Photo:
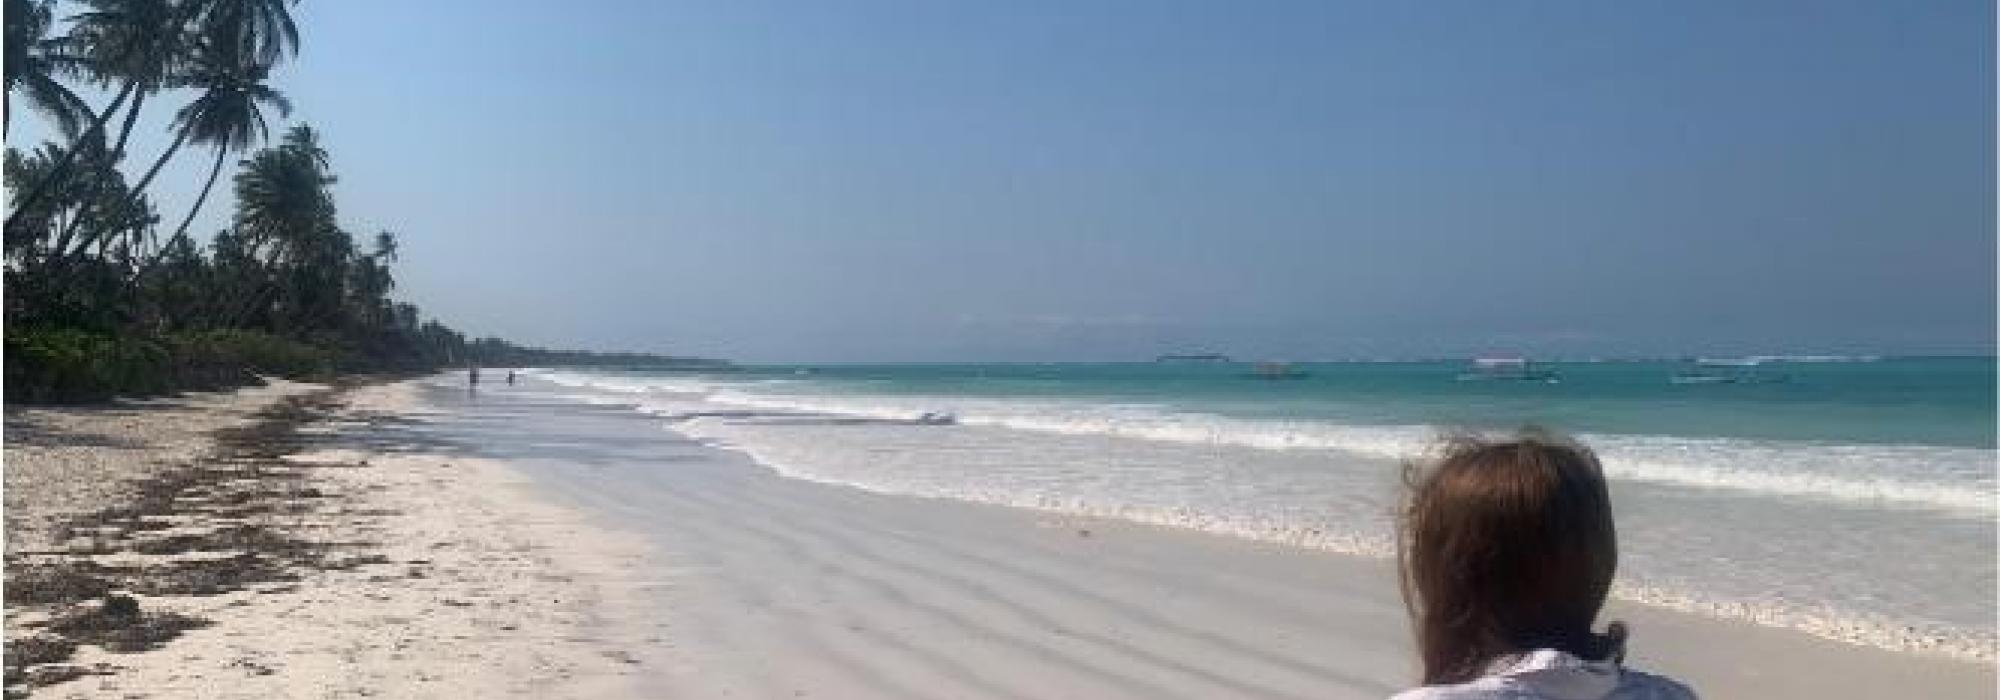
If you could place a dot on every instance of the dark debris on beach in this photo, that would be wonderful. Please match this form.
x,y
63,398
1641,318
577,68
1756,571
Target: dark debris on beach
x,y
233,520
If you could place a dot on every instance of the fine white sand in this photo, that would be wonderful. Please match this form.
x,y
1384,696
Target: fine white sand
x,y
779,588
466,584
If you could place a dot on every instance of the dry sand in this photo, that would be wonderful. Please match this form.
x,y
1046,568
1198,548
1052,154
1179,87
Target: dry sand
x,y
417,574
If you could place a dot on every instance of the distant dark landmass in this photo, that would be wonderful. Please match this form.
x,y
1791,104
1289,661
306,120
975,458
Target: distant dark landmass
x,y
500,353
1193,357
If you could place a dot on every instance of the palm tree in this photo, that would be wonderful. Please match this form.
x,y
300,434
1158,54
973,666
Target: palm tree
x,y
282,194
285,221
228,116
135,44
91,197
370,282
33,61
225,31
262,29
143,40
128,42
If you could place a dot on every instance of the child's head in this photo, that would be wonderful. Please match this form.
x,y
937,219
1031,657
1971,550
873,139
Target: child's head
x,y
1507,546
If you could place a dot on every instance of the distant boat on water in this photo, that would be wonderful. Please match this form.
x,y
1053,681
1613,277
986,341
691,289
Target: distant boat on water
x,y
1204,357
1755,360
1508,369
1701,378
1730,361
1277,370
1733,372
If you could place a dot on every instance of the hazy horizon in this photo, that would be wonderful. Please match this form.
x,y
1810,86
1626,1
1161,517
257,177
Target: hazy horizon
x,y
889,181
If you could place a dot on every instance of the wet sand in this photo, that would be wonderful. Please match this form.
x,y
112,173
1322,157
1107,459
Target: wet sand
x,y
775,587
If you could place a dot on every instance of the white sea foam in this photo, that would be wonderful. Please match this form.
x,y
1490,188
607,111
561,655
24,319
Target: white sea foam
x,y
1947,479
1825,621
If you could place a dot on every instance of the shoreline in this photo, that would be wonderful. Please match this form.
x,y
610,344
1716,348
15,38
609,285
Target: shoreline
x,y
1721,655
1778,532
455,545
784,584
1875,634
295,541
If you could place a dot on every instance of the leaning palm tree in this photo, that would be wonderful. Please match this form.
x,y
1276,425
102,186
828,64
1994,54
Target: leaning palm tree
x,y
159,36
228,115
130,43
134,46
136,36
92,198
33,62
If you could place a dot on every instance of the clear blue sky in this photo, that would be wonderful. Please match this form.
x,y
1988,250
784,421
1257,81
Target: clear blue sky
x,y
1110,180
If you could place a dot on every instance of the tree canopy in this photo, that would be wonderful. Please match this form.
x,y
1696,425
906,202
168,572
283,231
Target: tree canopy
x,y
100,302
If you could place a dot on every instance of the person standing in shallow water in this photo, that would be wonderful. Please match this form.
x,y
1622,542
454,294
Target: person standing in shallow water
x,y
1507,551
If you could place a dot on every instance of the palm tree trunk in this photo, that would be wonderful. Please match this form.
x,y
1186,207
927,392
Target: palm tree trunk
x,y
131,118
62,240
181,231
133,198
140,189
62,167
220,154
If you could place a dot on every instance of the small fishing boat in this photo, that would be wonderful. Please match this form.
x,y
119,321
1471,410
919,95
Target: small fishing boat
x,y
1702,378
1507,369
1729,361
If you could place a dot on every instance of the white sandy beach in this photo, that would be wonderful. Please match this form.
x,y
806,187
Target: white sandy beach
x,y
576,551
465,584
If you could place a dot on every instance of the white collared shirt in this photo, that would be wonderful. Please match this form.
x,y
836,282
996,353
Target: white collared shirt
x,y
1548,674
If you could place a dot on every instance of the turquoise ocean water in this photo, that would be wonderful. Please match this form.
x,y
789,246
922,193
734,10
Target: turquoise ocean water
x,y
1852,498
1930,401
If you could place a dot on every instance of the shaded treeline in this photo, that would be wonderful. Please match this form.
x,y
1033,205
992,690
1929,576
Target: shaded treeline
x,y
500,353
107,292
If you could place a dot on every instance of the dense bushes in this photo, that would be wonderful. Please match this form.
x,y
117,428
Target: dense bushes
x,y
74,365
63,365
218,352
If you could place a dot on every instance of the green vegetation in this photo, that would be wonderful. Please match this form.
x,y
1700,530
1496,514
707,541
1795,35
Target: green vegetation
x,y
66,364
100,303
500,353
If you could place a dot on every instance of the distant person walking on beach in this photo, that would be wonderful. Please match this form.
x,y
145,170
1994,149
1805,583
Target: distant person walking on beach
x,y
510,377
472,376
1507,550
